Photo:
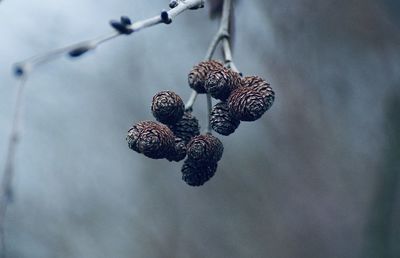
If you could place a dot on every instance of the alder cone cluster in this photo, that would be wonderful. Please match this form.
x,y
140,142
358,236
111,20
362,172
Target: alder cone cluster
x,y
176,138
176,134
168,137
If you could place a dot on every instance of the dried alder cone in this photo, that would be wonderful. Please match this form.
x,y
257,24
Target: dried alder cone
x,y
186,128
205,149
213,78
260,85
203,154
197,77
153,139
250,101
195,174
167,107
176,135
220,82
221,119
247,104
179,152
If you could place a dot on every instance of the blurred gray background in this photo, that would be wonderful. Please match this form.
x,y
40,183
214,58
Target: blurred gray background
x,y
317,176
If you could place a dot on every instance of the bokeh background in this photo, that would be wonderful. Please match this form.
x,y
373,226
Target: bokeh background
x,y
317,176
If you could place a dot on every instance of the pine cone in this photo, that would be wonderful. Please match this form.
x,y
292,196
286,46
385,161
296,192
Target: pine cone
x,y
186,128
222,120
167,107
247,104
262,86
205,149
179,152
221,81
197,77
153,139
195,174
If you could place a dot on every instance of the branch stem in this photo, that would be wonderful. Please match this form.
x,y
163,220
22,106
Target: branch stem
x,y
191,100
227,50
222,34
6,193
91,44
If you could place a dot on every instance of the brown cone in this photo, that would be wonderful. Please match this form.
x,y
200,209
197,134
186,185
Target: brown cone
x,y
179,152
247,104
195,174
220,82
205,149
186,128
167,107
222,120
197,76
153,139
261,86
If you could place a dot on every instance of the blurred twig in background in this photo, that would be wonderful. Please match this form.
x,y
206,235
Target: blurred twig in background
x,y
6,193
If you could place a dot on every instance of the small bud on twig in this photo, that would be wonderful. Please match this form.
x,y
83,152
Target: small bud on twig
x,y
121,28
19,70
197,6
125,20
165,17
173,4
79,51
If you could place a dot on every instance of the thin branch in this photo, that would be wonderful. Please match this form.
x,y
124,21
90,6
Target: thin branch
x,y
121,28
222,34
209,109
226,48
6,194
191,100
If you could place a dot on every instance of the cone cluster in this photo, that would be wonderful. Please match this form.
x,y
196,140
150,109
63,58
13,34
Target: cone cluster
x,y
168,137
242,99
175,135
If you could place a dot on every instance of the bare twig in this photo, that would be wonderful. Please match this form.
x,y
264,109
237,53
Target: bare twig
x,y
226,48
191,100
222,34
122,28
6,189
